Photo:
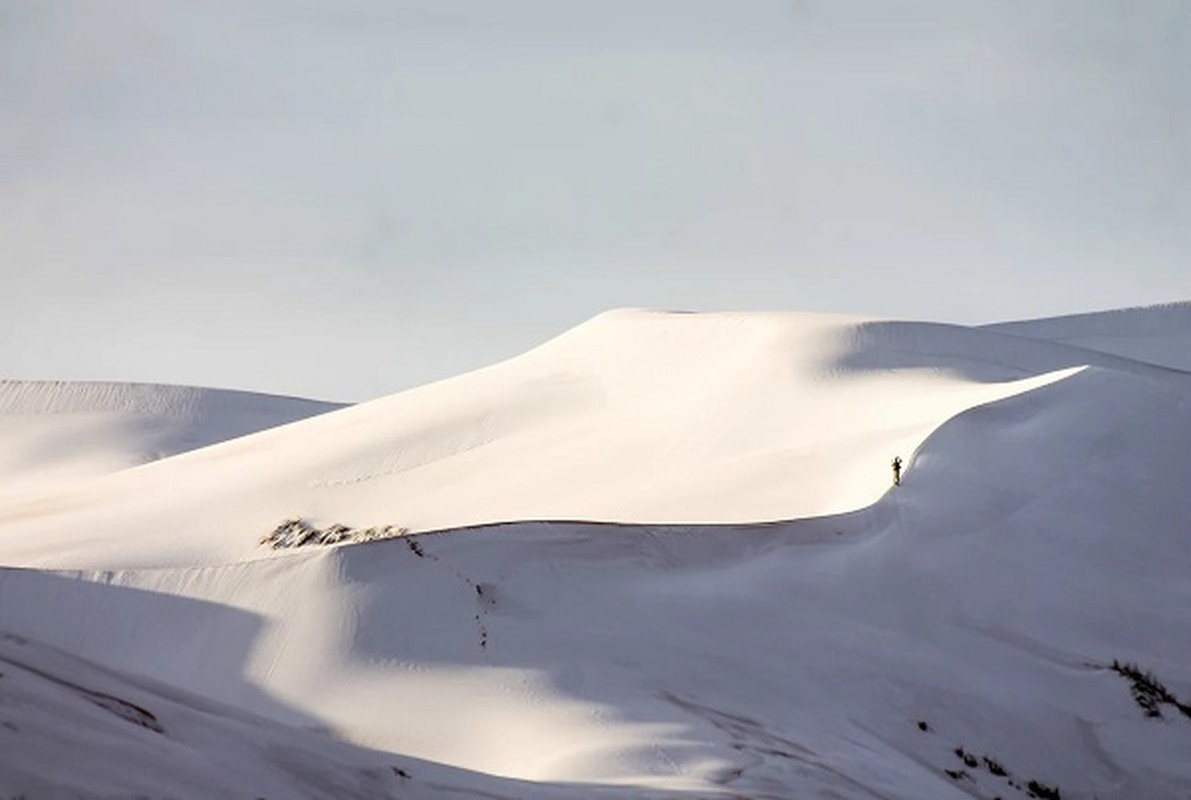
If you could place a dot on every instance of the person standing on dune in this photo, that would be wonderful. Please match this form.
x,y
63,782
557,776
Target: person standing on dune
x,y
897,470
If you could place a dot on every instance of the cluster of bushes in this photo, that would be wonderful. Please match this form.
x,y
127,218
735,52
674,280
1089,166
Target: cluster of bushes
x,y
1033,788
1042,791
300,533
1148,692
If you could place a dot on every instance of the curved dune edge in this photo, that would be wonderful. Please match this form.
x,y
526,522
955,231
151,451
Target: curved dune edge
x,y
635,417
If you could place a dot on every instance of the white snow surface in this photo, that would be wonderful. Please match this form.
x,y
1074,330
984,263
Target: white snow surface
x,y
658,556
1156,334
56,432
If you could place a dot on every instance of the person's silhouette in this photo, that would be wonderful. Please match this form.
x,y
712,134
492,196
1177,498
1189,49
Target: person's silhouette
x,y
897,470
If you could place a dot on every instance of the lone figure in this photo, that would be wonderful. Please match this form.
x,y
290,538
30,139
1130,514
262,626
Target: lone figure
x,y
897,470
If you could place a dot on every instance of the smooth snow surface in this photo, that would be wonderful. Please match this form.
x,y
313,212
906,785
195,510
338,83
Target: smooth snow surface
x,y
1157,334
685,575
56,432
633,417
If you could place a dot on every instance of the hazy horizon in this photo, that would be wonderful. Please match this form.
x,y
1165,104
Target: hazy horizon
x,y
344,200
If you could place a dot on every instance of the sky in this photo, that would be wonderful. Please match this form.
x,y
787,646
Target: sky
x,y
341,199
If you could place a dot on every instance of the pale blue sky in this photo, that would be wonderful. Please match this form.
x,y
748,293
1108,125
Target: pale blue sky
x,y
343,199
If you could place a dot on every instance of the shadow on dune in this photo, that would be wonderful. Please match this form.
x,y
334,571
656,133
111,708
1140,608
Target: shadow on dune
x,y
1012,541
152,638
976,354
143,633
734,635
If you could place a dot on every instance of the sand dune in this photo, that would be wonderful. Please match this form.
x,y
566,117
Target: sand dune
x,y
686,575
55,433
1155,334
635,416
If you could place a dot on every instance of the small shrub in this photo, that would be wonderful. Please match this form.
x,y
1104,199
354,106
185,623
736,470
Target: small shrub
x,y
969,760
1042,791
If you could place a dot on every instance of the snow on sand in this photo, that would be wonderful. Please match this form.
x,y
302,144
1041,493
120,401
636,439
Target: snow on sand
x,y
55,433
632,417
699,646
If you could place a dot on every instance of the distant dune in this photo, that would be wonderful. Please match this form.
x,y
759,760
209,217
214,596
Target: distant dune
x,y
57,432
1155,334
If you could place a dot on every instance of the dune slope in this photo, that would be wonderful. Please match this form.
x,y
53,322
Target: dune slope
x,y
1154,334
632,417
804,632
54,433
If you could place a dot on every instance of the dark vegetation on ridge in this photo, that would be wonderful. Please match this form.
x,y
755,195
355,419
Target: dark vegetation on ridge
x,y
298,532
1148,692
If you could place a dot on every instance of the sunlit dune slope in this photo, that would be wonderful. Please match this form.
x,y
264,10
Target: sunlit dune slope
x,y
635,416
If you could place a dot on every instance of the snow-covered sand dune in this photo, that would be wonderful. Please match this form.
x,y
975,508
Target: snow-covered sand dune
x,y
73,729
1155,334
54,433
632,417
848,651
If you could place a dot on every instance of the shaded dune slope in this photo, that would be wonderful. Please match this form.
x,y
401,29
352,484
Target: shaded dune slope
x,y
1158,334
55,433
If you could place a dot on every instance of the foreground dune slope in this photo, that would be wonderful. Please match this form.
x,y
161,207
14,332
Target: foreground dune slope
x,y
73,729
1039,535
